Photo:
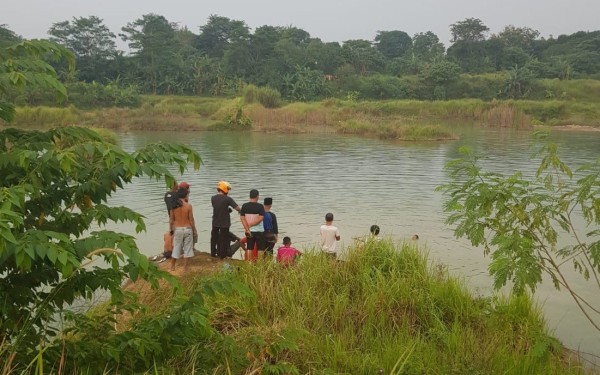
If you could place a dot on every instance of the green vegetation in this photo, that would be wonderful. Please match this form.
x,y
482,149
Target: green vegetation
x,y
23,65
226,55
289,81
384,310
54,190
520,220
388,119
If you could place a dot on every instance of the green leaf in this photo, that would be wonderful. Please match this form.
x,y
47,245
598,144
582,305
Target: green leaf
x,y
63,257
52,254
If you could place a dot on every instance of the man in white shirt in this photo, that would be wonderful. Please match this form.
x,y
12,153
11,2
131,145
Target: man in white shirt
x,y
329,236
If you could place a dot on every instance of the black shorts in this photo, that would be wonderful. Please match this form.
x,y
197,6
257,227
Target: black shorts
x,y
257,238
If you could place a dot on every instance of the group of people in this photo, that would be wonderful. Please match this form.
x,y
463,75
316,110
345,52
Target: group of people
x,y
258,220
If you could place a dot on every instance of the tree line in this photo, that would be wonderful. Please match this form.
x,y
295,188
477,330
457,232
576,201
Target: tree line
x,y
226,54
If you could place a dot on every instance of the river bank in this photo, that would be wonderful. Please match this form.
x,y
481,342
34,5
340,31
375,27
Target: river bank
x,y
400,120
385,310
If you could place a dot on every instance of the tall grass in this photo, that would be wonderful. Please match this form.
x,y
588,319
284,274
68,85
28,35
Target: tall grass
x,y
384,308
47,116
346,116
267,96
587,90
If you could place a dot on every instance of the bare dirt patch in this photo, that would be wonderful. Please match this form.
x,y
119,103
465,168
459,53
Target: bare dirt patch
x,y
580,128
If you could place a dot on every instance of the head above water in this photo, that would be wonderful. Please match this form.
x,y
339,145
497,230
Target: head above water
x,y
414,237
253,194
374,229
329,217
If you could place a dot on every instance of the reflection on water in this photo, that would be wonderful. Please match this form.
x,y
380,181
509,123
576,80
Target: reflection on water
x,y
362,181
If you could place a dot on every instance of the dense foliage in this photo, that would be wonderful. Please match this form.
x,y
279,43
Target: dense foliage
x,y
23,65
54,191
226,54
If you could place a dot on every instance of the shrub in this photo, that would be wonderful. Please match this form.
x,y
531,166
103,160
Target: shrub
x,y
94,95
250,94
268,97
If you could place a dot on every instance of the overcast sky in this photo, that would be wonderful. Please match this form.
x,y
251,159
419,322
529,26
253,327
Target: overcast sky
x,y
329,20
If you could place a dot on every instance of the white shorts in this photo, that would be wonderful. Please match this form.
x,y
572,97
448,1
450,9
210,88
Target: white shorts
x,y
183,242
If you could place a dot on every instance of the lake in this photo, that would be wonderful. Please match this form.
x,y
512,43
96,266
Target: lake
x,y
363,181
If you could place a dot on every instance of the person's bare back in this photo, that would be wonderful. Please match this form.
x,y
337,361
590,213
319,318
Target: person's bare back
x,y
181,222
182,217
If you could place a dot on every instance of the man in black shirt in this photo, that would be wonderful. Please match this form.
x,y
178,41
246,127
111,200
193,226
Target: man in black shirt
x,y
222,204
252,214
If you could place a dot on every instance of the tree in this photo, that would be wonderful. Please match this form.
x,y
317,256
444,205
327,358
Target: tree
x,y
85,36
24,65
362,55
295,35
219,33
393,44
474,57
155,45
54,190
531,226
327,56
92,43
469,30
521,37
427,46
441,71
8,37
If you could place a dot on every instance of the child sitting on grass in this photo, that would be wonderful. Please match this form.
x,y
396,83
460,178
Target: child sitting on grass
x,y
286,254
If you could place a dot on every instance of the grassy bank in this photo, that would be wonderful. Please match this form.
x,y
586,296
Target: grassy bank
x,y
385,310
390,119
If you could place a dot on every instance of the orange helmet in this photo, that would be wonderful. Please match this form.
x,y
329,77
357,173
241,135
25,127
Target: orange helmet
x,y
224,186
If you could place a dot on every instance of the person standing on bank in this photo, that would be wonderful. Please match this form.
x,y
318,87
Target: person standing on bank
x,y
270,225
222,204
183,226
330,235
251,215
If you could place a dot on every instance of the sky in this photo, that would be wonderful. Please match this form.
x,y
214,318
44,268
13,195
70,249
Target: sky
x,y
329,20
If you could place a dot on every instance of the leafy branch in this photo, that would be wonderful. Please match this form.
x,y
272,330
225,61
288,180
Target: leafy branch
x,y
523,222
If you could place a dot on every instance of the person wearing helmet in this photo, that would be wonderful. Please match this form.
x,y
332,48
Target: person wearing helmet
x,y
222,204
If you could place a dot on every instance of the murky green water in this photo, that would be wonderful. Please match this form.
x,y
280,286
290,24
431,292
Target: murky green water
x,y
362,181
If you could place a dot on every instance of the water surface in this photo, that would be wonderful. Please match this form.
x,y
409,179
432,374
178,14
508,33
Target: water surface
x,y
363,181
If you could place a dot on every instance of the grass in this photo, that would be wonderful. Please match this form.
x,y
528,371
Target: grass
x,y
394,119
385,310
